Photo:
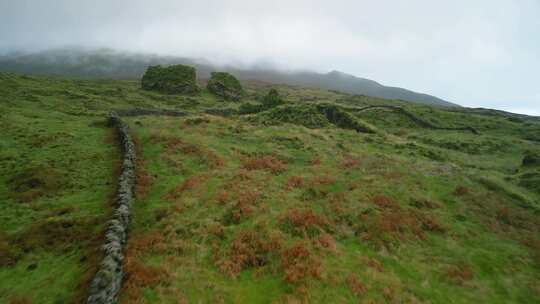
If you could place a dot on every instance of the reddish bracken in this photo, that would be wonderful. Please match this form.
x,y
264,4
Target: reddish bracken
x,y
267,162
304,221
356,286
460,191
250,248
316,161
326,242
373,264
138,275
385,202
188,184
350,162
222,197
295,182
393,223
459,274
299,264
244,206
143,179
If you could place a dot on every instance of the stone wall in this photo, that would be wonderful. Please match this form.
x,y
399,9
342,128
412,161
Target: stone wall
x,y
108,279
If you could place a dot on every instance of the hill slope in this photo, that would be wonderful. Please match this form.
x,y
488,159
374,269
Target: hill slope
x,y
291,204
111,64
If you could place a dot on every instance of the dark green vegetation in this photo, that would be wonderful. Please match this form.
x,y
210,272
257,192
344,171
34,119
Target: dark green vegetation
x,y
106,63
179,79
310,200
225,85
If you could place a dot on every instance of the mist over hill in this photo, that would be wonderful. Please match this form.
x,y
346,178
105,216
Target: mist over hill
x,y
107,63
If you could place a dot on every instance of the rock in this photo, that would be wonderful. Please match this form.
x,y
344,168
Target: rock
x,y
225,85
175,79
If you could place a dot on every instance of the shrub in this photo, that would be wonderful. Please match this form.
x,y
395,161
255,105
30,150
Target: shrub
x,y
173,79
250,108
225,85
272,99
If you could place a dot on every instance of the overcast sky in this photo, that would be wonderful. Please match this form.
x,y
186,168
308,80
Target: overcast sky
x,y
471,52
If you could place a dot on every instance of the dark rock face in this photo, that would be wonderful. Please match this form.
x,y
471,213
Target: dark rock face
x,y
108,280
175,79
225,85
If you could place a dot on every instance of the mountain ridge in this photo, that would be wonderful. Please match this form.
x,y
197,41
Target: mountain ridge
x,y
107,63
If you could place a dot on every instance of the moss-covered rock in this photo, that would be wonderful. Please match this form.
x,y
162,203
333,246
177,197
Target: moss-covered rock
x,y
225,85
175,79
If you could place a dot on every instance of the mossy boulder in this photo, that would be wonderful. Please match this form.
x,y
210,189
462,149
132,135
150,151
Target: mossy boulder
x,y
175,79
225,86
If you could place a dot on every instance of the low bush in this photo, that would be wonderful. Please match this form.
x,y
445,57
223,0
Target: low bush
x,y
225,86
173,79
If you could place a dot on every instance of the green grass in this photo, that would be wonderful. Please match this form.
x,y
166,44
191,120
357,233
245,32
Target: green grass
x,y
280,206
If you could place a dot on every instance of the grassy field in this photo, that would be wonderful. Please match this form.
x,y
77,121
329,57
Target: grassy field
x,y
282,206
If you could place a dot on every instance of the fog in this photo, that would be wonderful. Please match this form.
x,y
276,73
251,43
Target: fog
x,y
474,53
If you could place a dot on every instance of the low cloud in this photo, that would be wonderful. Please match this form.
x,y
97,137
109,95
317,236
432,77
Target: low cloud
x,y
475,53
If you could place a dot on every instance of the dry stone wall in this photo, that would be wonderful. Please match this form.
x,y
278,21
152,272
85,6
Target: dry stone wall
x,y
108,279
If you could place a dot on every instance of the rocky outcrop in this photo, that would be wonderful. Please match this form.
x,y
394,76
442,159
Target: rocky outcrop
x,y
108,279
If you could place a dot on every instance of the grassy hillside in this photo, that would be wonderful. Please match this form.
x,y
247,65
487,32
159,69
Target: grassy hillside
x,y
288,205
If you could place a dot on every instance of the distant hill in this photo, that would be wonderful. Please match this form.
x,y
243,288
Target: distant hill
x,y
106,63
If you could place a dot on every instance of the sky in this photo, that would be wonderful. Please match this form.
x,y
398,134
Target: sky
x,y
478,53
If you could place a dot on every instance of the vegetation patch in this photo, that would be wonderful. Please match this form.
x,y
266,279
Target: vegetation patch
x,y
312,116
34,183
264,162
175,79
250,249
225,85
